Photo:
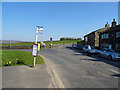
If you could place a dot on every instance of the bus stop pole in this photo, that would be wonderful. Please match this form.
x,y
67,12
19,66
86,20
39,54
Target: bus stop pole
x,y
36,38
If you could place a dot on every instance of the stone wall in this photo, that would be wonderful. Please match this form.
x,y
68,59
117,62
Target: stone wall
x,y
30,46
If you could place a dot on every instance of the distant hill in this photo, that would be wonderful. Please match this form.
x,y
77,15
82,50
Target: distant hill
x,y
9,41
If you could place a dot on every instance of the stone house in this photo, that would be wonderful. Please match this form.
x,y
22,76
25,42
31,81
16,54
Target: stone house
x,y
93,37
111,37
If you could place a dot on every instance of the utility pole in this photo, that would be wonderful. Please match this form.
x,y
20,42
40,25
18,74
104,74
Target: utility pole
x,y
38,29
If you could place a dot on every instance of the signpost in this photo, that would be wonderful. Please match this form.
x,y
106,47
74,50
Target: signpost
x,y
50,42
35,49
34,52
36,45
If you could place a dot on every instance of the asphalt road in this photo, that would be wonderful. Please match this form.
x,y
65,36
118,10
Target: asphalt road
x,y
77,70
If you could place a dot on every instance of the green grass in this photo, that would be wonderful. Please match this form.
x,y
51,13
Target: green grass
x,y
47,42
14,57
61,42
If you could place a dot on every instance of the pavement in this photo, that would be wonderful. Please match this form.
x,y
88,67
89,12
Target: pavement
x,y
27,77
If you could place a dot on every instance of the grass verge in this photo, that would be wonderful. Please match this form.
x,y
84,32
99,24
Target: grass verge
x,y
14,57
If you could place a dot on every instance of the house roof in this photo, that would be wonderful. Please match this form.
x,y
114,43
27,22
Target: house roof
x,y
112,28
99,30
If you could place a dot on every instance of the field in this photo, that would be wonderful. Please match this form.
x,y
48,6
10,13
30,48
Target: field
x,y
47,42
16,44
14,57
62,42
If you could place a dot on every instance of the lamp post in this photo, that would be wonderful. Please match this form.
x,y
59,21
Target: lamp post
x,y
38,29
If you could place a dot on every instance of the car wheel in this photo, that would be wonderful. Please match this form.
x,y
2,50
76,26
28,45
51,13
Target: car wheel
x,y
110,57
88,53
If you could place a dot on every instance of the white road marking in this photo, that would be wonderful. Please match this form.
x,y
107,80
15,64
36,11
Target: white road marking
x,y
113,71
53,74
58,79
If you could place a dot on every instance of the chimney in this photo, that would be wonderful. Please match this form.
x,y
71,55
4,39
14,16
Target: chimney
x,y
107,25
114,23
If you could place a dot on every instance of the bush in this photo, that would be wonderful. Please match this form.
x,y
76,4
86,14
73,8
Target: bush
x,y
78,42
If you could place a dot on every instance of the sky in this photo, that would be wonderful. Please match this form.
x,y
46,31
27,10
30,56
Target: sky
x,y
59,19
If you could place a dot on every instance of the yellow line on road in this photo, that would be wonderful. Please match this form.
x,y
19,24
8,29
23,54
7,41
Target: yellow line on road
x,y
104,74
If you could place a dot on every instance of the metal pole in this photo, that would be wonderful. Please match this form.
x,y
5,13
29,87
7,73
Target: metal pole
x,y
34,60
36,38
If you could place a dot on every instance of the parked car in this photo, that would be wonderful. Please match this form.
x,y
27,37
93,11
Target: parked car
x,y
74,45
109,54
43,44
77,46
89,49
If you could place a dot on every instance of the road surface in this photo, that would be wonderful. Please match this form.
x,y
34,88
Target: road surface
x,y
77,70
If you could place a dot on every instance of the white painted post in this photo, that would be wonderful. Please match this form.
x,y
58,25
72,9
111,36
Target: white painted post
x,y
38,29
36,38
34,60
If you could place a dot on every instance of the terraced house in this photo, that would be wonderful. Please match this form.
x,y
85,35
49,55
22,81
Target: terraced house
x,y
93,37
111,37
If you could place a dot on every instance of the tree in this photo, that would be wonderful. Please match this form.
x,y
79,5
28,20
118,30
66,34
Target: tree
x,y
69,38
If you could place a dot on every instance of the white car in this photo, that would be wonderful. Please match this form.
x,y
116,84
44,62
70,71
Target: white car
x,y
89,49
109,54
43,44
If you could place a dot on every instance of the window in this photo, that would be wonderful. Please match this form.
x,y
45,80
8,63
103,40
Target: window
x,y
117,34
117,46
104,36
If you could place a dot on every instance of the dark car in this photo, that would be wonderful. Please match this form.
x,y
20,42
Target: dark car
x,y
79,46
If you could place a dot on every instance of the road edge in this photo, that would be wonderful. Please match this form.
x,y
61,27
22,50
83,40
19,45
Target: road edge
x,y
56,81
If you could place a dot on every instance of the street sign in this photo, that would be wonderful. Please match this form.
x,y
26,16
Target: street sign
x,y
39,28
35,49
50,39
